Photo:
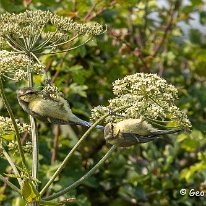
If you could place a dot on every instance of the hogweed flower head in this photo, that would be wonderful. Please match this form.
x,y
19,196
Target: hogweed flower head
x,y
7,128
14,66
35,31
147,96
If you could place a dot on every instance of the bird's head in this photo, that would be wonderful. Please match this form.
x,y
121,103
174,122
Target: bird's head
x,y
111,132
26,94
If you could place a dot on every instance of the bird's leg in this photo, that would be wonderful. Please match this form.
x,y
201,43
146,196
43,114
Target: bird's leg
x,y
47,81
112,128
137,139
111,122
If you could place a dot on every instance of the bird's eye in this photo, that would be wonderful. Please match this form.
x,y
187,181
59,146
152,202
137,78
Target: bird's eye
x,y
30,92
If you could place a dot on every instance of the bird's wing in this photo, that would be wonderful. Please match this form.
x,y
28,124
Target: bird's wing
x,y
137,139
49,109
163,132
130,137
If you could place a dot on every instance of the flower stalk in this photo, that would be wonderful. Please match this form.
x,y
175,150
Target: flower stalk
x,y
83,178
34,135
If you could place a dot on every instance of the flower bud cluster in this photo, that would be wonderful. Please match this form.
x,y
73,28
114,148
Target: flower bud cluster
x,y
33,30
51,91
7,128
13,146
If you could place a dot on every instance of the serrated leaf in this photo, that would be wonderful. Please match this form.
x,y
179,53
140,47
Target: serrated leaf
x,y
78,89
75,68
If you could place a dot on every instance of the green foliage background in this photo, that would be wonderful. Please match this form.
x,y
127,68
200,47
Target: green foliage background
x,y
142,36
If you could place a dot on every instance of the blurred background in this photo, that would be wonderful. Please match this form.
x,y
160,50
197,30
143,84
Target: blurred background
x,y
166,37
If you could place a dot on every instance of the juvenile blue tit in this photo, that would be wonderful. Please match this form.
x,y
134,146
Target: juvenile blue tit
x,y
132,131
47,109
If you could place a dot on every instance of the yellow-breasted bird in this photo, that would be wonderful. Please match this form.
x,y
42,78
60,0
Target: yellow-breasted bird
x,y
129,132
47,109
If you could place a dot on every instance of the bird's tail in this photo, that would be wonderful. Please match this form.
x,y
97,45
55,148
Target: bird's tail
x,y
153,136
76,120
88,124
162,132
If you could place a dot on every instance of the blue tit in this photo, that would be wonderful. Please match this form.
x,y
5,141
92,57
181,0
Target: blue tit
x,y
48,109
132,131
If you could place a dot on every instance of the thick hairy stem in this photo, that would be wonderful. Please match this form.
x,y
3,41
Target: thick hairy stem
x,y
83,178
18,138
63,164
34,148
34,134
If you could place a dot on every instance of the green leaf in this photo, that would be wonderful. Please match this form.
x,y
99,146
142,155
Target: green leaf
x,y
82,51
188,173
78,89
2,197
18,201
203,17
83,200
75,68
196,2
29,192
190,144
9,137
48,203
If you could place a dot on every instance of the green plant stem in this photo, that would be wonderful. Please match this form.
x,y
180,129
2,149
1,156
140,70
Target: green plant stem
x,y
3,179
63,164
36,58
16,172
18,138
35,149
83,178
34,135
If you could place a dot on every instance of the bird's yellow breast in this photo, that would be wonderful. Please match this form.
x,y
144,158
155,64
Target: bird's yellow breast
x,y
135,126
49,108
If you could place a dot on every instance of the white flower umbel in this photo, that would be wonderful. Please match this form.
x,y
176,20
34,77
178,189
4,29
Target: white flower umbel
x,y
36,31
14,66
147,96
